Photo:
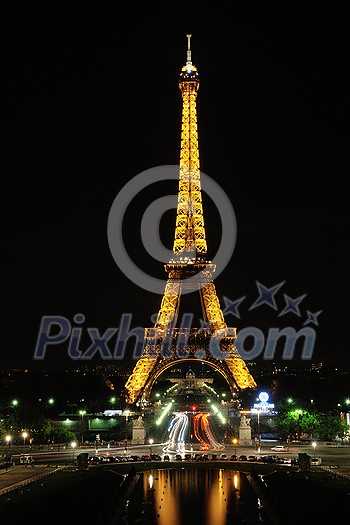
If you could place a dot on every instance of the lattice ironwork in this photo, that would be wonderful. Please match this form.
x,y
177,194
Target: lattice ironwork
x,y
189,231
189,270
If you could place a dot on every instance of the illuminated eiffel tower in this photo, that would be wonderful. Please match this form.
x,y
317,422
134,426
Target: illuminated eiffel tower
x,y
164,344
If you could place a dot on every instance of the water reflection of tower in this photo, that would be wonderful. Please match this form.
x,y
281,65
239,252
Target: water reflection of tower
x,y
235,497
149,511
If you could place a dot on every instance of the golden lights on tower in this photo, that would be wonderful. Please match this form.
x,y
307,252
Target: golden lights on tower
x,y
189,264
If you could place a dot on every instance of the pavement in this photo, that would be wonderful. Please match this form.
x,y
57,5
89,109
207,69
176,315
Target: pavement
x,y
306,498
337,470
67,496
18,476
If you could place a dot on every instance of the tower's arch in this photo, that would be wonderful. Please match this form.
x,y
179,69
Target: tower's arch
x,y
163,367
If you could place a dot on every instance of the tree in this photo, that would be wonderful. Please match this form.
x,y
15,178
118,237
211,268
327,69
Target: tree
x,y
2,430
58,433
62,435
26,416
294,423
45,431
332,426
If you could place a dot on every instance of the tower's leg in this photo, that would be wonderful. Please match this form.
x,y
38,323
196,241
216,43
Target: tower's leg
x,y
169,308
240,372
167,317
139,377
211,306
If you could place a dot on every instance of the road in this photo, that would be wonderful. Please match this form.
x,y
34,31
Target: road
x,y
330,455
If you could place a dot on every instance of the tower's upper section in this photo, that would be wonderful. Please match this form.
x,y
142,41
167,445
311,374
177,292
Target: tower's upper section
x,y
189,78
189,243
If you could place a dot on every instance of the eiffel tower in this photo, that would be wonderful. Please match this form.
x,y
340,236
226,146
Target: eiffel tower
x,y
189,269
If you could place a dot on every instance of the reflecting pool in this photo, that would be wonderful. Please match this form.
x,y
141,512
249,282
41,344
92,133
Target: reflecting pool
x,y
193,496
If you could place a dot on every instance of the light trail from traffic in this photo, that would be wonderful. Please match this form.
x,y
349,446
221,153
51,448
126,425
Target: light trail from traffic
x,y
178,432
204,445
205,425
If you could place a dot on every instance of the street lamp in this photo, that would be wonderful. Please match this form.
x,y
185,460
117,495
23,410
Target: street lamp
x,y
24,436
82,413
73,445
8,439
314,444
126,413
235,441
150,445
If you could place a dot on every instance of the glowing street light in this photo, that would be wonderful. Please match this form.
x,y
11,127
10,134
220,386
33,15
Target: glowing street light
x,y
126,413
150,445
51,401
235,441
24,436
14,402
314,444
73,445
82,413
8,439
112,400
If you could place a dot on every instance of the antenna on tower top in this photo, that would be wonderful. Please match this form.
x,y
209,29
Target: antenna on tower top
x,y
189,49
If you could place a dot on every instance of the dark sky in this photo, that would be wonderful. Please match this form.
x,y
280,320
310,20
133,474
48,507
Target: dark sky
x,y
94,100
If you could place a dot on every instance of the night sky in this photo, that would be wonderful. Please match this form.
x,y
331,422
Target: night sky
x,y
94,100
